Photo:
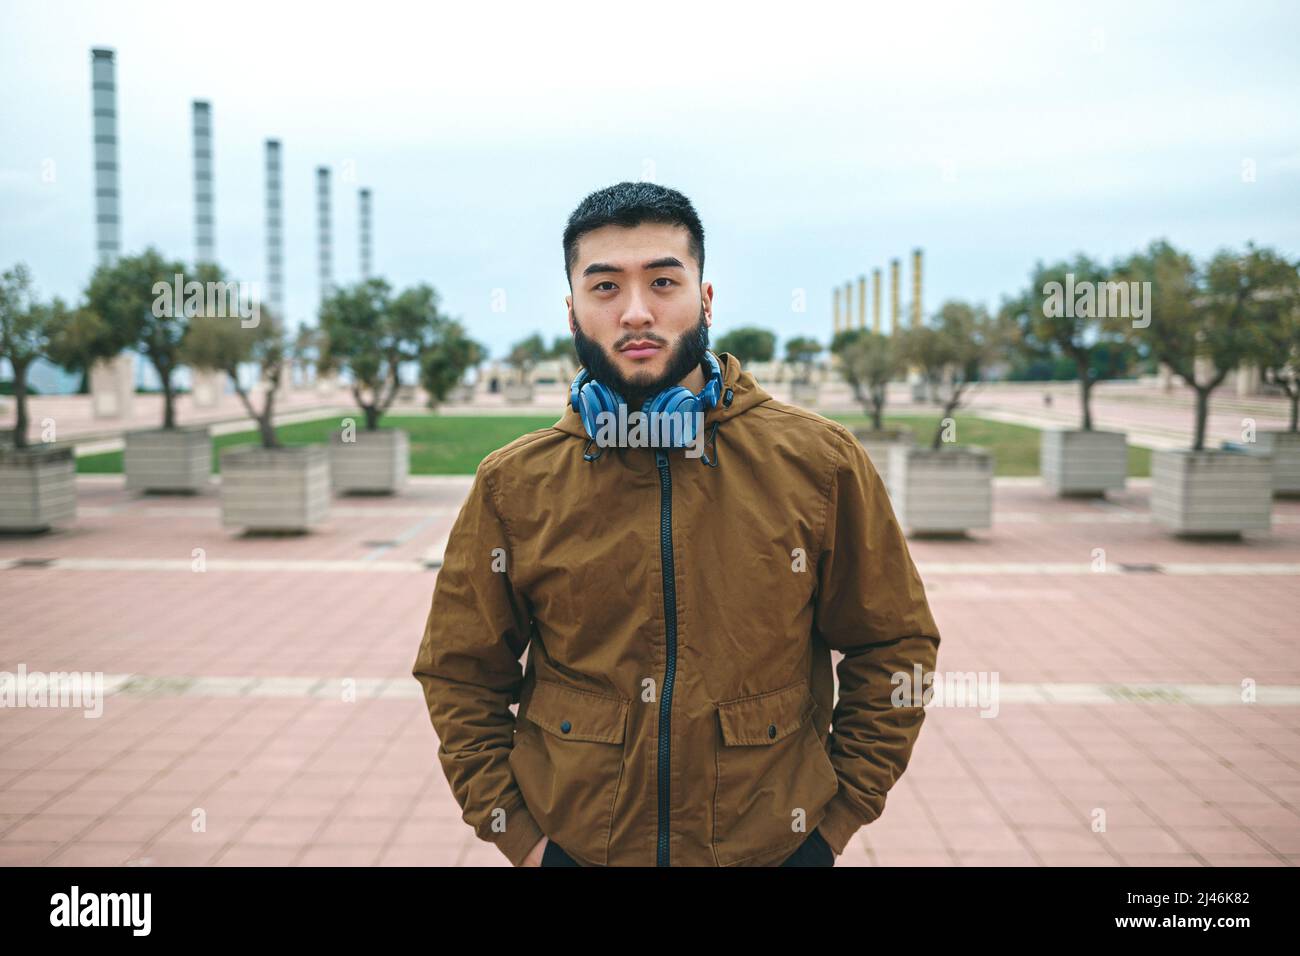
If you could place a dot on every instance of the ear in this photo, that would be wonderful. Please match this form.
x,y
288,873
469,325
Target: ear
x,y
568,305
706,290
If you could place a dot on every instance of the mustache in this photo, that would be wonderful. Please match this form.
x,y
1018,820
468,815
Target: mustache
x,y
649,337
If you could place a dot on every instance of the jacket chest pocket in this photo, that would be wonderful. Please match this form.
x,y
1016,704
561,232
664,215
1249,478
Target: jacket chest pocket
x,y
772,770
567,761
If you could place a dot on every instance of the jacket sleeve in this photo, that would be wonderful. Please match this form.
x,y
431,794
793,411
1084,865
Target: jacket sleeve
x,y
871,606
468,666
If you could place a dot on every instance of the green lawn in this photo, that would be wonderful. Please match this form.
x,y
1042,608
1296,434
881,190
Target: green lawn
x,y
455,444
1014,447
440,444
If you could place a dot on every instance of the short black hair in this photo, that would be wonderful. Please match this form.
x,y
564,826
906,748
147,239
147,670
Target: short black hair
x,y
630,204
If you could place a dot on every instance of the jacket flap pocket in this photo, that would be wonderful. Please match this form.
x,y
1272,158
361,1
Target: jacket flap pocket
x,y
765,718
577,714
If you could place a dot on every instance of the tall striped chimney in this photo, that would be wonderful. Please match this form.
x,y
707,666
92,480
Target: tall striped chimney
x,y
916,287
862,301
837,308
103,93
893,295
364,196
323,230
875,300
204,217
274,231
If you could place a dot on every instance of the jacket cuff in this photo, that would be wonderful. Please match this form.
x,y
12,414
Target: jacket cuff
x,y
841,821
520,835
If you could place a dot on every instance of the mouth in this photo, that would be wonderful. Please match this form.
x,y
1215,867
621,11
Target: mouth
x,y
641,349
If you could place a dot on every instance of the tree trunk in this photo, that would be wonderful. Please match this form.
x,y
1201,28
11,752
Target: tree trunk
x,y
264,418
169,397
266,423
953,401
394,383
372,417
1295,407
877,407
1202,416
1085,394
20,403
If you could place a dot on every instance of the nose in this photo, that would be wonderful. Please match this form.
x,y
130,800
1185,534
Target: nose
x,y
637,315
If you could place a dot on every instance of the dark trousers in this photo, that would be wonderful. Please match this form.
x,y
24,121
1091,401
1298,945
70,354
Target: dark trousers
x,y
814,851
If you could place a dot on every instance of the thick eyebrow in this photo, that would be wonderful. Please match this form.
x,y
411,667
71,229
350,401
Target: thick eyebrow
x,y
663,262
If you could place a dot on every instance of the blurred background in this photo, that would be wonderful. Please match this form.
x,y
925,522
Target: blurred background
x,y
1041,259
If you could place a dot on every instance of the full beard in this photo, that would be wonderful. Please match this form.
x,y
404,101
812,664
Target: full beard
x,y
688,353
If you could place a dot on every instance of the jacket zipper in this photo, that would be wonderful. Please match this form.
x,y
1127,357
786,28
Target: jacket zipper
x,y
670,666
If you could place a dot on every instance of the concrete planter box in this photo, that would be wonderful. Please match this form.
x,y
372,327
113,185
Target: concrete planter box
x,y
518,394
38,487
168,459
376,462
944,492
1211,492
878,445
275,489
1284,448
1077,462
806,394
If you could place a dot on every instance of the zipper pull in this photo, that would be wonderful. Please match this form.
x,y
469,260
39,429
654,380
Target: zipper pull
x,y
661,458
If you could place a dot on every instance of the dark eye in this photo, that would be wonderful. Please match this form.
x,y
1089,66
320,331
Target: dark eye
x,y
665,279
606,282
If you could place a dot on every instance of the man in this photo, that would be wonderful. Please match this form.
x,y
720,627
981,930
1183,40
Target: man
x,y
679,610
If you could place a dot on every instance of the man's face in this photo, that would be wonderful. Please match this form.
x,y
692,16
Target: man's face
x,y
644,314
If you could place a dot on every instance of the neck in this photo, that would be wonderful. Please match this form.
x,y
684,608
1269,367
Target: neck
x,y
694,381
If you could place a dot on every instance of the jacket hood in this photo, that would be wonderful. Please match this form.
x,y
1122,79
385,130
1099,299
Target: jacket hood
x,y
740,393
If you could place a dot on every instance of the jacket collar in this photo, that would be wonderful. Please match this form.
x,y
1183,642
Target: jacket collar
x,y
745,394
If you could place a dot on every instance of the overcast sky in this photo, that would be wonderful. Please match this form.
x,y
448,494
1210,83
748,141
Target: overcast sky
x,y
816,142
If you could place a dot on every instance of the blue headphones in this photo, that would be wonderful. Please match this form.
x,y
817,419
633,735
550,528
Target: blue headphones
x,y
589,398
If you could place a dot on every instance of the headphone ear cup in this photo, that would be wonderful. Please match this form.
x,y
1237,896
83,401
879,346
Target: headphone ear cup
x,y
712,390
594,398
681,406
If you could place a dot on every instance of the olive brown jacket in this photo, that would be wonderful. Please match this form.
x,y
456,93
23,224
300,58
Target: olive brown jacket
x,y
678,705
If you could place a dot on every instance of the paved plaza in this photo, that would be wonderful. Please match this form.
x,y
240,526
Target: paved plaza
x,y
259,706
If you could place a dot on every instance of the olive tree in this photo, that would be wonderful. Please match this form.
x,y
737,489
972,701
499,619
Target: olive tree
x,y
141,307
446,360
1051,320
749,344
1206,320
1278,325
802,352
955,346
223,344
869,361
32,329
372,333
